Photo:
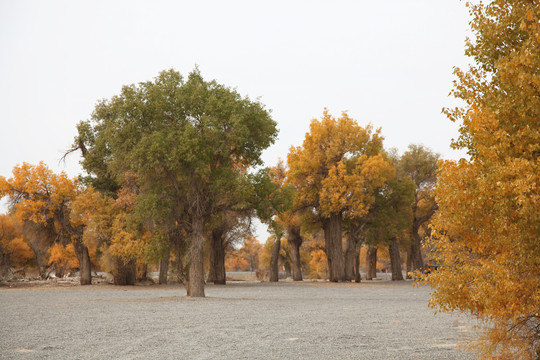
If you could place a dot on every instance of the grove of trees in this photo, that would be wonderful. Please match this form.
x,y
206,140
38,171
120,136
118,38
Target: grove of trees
x,y
174,179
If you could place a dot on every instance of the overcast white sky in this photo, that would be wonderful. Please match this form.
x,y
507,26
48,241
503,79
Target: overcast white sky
x,y
386,62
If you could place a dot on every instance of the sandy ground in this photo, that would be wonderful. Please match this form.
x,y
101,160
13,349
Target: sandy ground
x,y
244,320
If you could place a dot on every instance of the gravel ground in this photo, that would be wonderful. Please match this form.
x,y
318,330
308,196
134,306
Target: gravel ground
x,y
248,320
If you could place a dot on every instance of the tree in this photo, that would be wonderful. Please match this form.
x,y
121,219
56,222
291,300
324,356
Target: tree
x,y
318,264
295,240
228,228
192,137
63,259
389,220
335,173
486,230
43,199
14,250
250,252
420,164
371,262
273,199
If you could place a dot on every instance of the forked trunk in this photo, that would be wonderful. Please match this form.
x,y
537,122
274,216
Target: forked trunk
x,y
295,241
274,269
371,263
196,266
332,237
395,260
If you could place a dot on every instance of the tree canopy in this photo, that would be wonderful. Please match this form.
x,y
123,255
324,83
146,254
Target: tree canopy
x,y
193,138
488,225
335,172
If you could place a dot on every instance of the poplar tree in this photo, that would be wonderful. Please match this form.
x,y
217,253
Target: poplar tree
x,y
487,229
191,137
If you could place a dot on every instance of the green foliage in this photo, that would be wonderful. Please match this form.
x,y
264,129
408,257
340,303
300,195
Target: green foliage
x,y
271,196
190,143
391,214
420,164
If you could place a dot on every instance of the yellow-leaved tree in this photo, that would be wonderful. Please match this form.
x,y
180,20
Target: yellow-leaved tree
x,y
109,230
335,174
487,230
43,199
14,251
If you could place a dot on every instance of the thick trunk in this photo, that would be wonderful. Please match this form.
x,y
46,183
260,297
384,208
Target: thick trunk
x,y
371,263
217,259
274,269
83,256
196,250
332,237
125,274
164,267
350,256
295,241
395,260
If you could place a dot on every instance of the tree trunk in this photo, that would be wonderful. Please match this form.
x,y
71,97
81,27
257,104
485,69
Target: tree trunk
x,y
295,241
395,260
142,271
83,256
332,237
217,259
196,250
164,267
417,261
124,274
274,269
416,251
409,263
357,276
371,263
288,270
350,256
179,265
211,276
5,264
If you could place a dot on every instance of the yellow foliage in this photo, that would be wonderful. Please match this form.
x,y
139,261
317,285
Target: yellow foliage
x,y
318,265
12,242
63,258
19,251
486,233
236,263
338,166
37,192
